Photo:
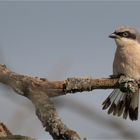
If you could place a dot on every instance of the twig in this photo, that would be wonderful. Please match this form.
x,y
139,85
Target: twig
x,y
5,134
4,131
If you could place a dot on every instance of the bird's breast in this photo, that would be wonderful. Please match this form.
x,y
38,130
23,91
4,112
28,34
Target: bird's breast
x,y
127,61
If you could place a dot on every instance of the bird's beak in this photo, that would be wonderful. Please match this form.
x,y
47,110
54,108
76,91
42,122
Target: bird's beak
x,y
113,35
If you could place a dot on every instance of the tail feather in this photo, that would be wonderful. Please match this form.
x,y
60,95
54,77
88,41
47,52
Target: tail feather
x,y
109,100
121,103
112,108
133,110
120,108
127,106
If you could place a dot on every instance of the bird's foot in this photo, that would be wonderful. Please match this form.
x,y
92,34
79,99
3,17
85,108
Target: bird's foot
x,y
127,84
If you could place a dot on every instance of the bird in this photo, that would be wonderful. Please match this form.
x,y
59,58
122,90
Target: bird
x,y
126,62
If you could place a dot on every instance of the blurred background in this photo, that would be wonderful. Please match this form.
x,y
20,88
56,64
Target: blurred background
x,y
57,40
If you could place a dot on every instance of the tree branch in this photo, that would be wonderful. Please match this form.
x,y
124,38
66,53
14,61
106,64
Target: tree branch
x,y
39,91
21,83
73,85
5,134
47,114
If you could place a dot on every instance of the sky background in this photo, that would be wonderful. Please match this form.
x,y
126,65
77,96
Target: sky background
x,y
57,40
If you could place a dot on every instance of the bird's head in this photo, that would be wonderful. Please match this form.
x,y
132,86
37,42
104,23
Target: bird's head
x,y
125,35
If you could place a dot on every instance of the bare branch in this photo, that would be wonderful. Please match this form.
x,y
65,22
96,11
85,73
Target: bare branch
x,y
73,85
46,112
5,134
39,91
21,83
4,131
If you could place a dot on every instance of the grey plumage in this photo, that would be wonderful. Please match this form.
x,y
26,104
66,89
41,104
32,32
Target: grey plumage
x,y
126,62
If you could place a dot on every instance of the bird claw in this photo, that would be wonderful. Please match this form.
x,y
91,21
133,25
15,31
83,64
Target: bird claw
x,y
127,84
124,79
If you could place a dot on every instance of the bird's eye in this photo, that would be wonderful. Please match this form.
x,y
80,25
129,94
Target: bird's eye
x,y
125,34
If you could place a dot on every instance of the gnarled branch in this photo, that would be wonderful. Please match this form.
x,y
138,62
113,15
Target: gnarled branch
x,y
40,90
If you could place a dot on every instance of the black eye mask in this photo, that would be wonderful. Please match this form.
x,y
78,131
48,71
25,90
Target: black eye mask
x,y
126,34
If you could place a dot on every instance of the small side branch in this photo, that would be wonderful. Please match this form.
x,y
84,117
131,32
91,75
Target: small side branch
x,y
4,131
5,134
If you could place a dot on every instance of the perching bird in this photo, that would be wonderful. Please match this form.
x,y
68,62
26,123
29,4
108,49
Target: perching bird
x,y
126,62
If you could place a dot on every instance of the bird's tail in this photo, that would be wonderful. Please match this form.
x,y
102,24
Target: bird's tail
x,y
124,103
